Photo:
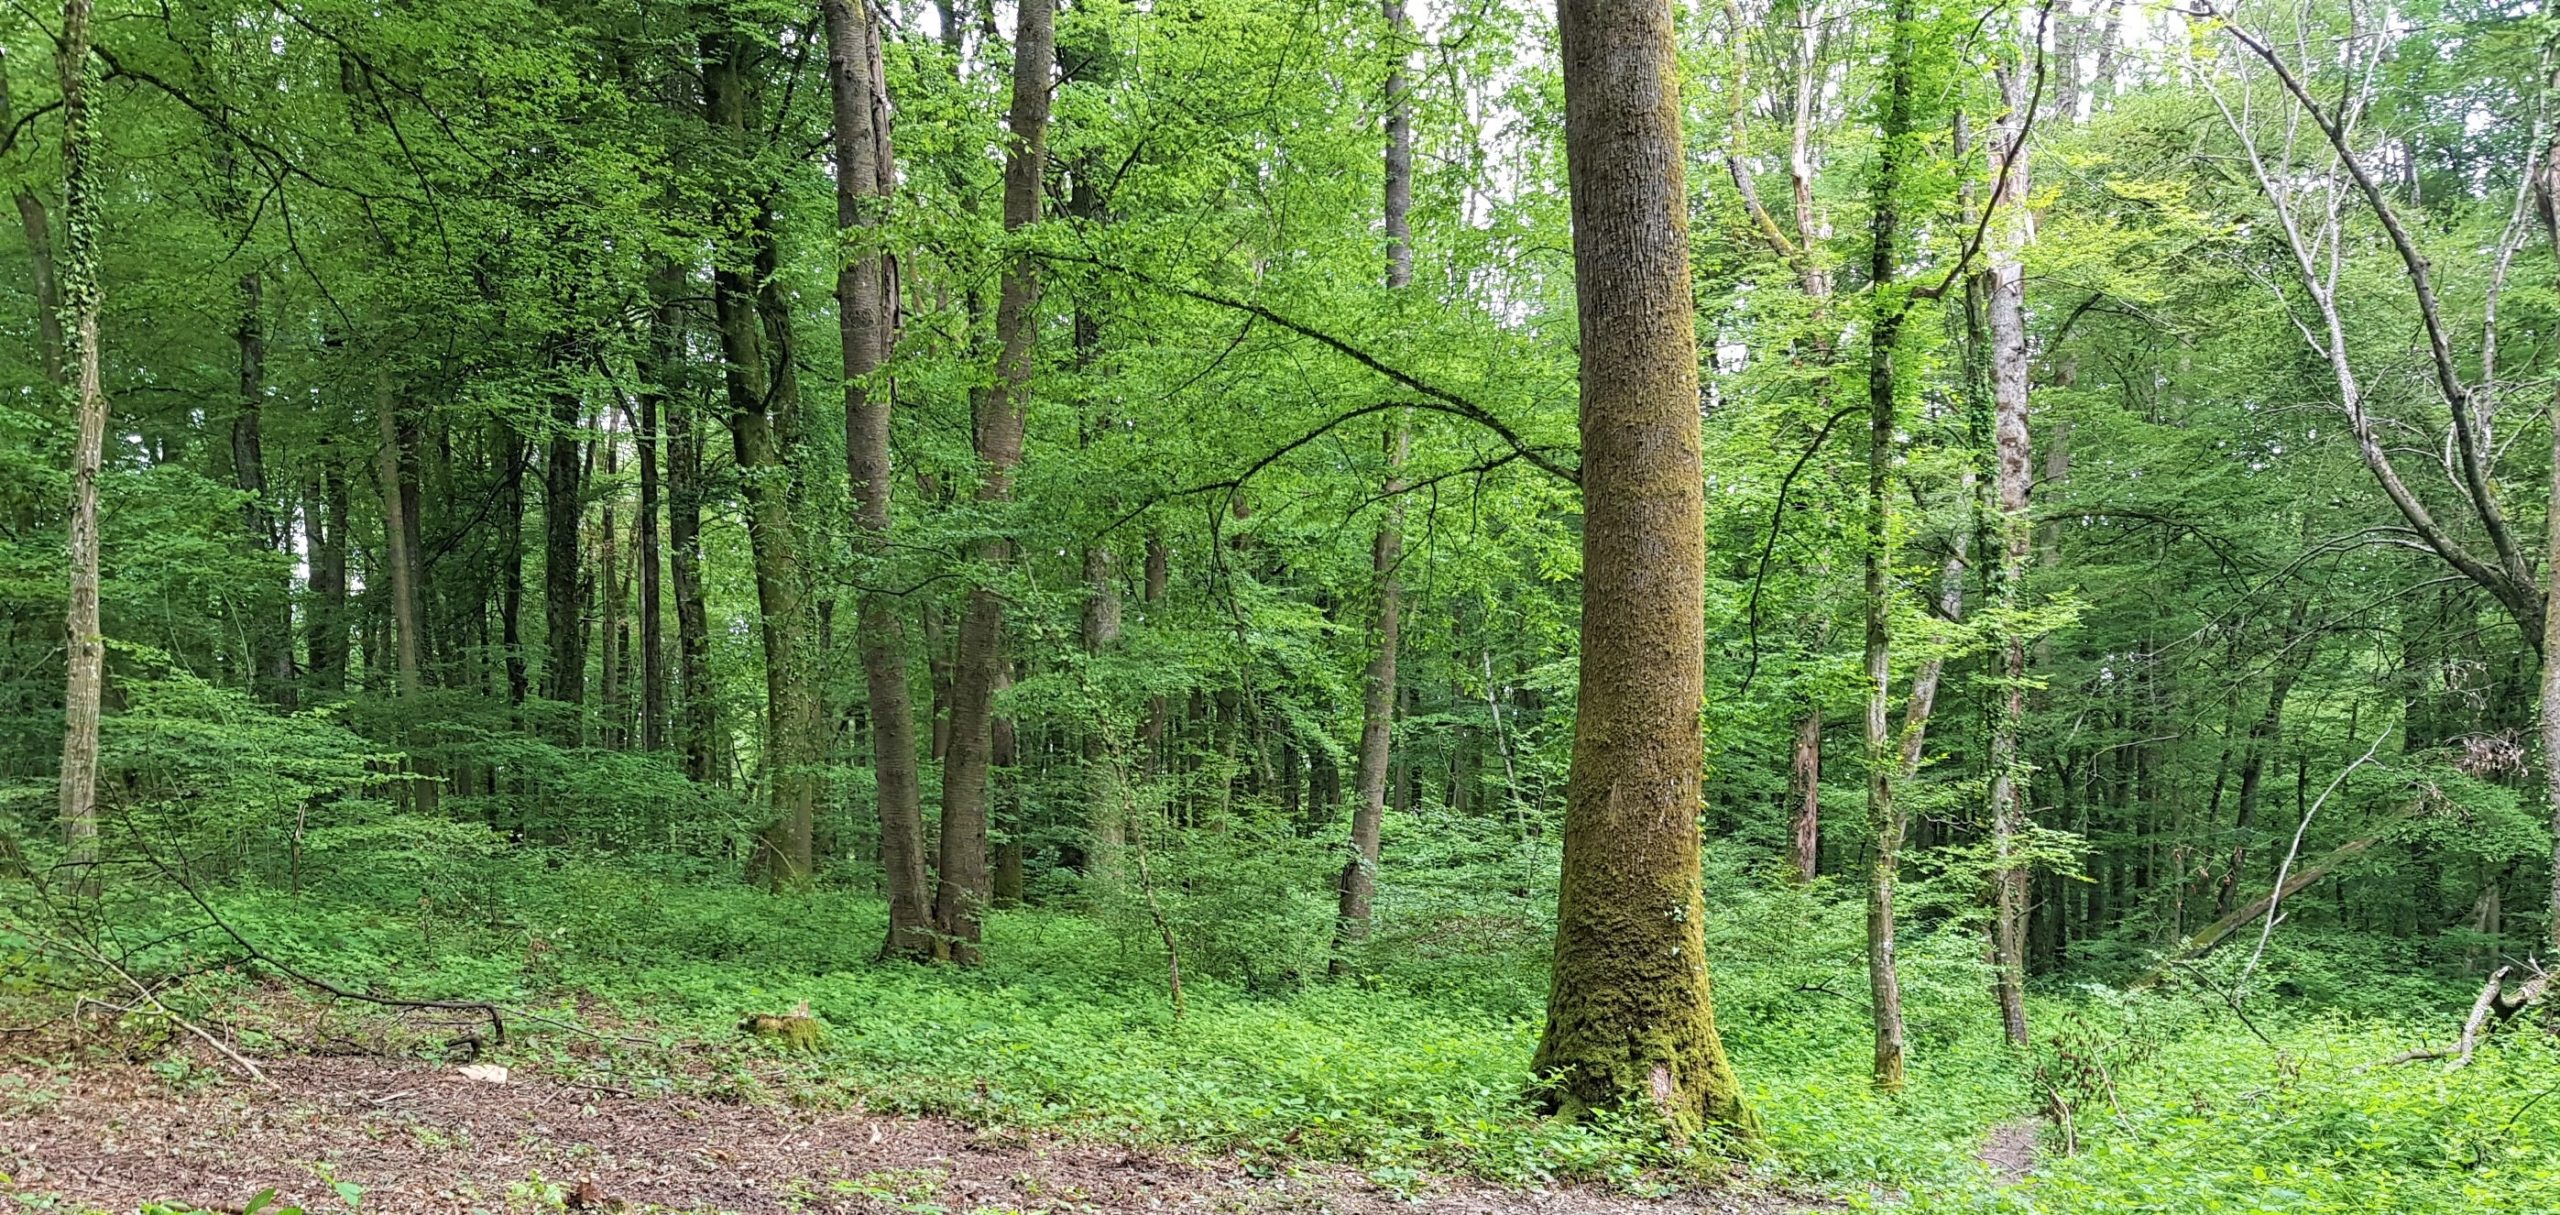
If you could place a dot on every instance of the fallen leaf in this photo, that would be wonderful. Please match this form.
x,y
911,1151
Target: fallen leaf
x,y
486,1073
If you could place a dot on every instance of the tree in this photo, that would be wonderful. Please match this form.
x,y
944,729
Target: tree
x,y
863,181
960,900
761,380
1890,307
1359,882
2006,302
81,300
1631,1013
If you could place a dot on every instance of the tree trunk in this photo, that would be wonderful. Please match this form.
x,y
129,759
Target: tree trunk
x,y
655,397
564,673
1884,818
513,452
2262,741
271,634
87,657
325,513
697,711
2006,301
2550,689
395,532
1630,1013
1804,797
611,643
758,388
1358,886
960,900
863,307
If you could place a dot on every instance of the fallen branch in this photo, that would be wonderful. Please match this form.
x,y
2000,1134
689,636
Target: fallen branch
x,y
2212,936
497,1024
2494,1001
151,999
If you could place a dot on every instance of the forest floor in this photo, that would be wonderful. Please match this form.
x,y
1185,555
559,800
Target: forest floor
x,y
419,1138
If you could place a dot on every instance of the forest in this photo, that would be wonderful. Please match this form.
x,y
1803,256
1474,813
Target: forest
x,y
1067,607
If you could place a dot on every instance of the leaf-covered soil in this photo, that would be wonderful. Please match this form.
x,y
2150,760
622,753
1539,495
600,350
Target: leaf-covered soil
x,y
422,1139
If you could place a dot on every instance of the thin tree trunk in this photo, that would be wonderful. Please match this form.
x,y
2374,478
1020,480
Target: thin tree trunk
x,y
1804,797
960,900
612,643
512,451
325,513
271,634
1884,818
1358,886
87,658
697,711
2550,688
862,305
2006,301
1630,1013
2263,738
395,533
564,673
654,399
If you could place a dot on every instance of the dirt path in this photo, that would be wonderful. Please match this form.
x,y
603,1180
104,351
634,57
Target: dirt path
x,y
425,1140
2010,1149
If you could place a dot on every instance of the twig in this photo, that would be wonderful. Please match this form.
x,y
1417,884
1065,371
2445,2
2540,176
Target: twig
x,y
497,1025
101,960
2275,901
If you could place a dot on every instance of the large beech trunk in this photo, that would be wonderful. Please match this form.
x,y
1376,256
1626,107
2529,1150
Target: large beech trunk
x,y
864,308
1630,1014
960,899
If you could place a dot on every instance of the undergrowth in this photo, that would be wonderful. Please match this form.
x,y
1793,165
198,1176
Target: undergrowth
x,y
1419,1063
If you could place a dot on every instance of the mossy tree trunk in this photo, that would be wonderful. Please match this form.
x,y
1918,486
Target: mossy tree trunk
x,y
1884,388
1631,1014
86,683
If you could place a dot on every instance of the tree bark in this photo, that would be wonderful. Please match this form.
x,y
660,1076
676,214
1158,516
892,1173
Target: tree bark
x,y
325,511
1631,1013
697,717
2550,688
396,531
655,397
2007,297
1804,797
271,634
960,900
512,451
87,656
1884,817
564,673
1358,886
863,307
759,389
2264,735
